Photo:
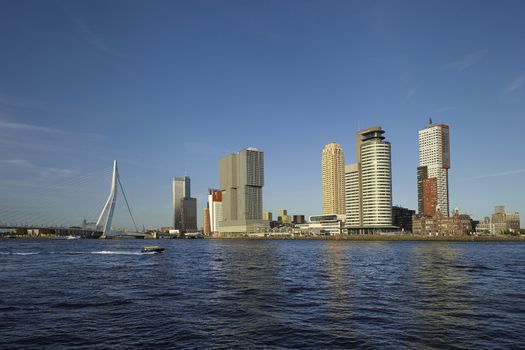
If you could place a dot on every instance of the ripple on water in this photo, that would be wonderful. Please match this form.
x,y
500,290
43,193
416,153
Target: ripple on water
x,y
264,294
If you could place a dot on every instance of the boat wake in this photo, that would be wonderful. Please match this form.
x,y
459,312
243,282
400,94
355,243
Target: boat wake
x,y
100,252
115,252
19,253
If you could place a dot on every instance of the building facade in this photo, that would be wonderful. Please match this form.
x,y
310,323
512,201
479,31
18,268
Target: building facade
x,y
432,172
206,227
241,184
440,224
500,222
368,184
268,216
323,225
184,206
298,219
333,177
215,209
283,218
402,218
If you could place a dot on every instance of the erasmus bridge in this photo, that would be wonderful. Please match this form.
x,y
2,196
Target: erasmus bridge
x,y
102,226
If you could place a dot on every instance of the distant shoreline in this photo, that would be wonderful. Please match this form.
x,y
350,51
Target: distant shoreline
x,y
386,238
353,238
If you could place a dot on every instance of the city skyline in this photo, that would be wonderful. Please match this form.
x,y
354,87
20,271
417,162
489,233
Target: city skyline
x,y
83,90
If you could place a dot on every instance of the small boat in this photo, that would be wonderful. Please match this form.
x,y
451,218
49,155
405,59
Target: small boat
x,y
153,249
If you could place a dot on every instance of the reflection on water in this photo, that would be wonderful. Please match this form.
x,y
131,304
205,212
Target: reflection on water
x,y
245,288
337,269
338,274
439,288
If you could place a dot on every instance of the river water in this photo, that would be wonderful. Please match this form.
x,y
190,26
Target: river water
x,y
213,294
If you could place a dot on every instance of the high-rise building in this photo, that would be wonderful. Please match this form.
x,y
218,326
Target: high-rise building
x,y
352,195
215,206
368,184
206,227
184,206
333,176
267,215
241,183
432,172
283,218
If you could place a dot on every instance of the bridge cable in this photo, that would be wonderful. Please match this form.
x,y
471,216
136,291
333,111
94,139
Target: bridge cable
x,y
127,204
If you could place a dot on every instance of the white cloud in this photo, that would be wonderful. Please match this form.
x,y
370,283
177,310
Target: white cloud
x,y
466,61
29,127
42,171
503,173
58,172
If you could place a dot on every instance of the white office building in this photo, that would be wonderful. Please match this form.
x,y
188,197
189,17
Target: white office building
x,y
368,184
215,209
323,225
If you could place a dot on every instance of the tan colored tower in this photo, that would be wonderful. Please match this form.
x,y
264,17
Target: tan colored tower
x,y
207,226
333,179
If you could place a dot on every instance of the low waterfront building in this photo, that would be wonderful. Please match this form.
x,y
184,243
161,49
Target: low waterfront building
x,y
298,219
323,225
512,221
439,224
402,218
500,222
488,227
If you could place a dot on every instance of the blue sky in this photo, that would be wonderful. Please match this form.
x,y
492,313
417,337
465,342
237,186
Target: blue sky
x,y
168,87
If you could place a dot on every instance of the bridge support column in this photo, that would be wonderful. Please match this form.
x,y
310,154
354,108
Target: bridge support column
x,y
106,216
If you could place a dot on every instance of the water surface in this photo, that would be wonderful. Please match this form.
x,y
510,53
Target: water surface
x,y
212,294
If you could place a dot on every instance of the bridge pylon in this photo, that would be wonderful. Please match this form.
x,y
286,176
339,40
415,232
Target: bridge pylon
x,y
106,215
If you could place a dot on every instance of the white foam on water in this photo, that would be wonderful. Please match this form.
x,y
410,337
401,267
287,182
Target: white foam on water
x,y
115,252
19,253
